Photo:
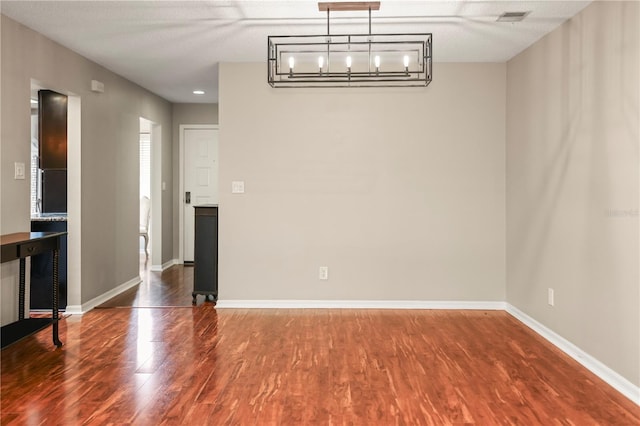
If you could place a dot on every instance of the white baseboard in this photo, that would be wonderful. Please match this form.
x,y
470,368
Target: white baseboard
x,y
358,304
164,266
614,379
86,307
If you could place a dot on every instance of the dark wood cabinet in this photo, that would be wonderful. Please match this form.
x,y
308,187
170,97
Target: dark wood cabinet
x,y
41,268
54,191
52,129
205,255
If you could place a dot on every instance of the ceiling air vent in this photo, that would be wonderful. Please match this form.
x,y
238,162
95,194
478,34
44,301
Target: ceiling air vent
x,y
512,16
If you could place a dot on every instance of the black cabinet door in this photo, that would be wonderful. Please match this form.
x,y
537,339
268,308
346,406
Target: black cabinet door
x,y
54,191
42,269
205,262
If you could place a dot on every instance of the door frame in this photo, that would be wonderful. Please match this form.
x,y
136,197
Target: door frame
x,y
183,128
74,195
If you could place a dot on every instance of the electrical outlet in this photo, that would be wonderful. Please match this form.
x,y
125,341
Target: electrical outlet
x,y
550,297
323,273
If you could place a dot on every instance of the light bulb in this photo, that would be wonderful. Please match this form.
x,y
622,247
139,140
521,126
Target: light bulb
x,y
320,62
376,61
406,61
348,61
291,62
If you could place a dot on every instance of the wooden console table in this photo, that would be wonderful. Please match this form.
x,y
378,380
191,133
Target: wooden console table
x,y
20,246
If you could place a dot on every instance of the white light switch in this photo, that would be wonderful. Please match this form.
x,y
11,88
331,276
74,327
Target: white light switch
x,y
323,273
237,187
19,171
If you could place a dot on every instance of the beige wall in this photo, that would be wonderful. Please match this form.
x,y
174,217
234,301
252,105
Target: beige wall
x,y
572,183
185,114
109,150
400,192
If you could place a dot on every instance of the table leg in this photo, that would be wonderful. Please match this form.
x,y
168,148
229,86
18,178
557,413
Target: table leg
x,y
21,290
56,260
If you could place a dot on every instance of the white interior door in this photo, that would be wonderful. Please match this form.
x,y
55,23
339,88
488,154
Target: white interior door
x,y
200,178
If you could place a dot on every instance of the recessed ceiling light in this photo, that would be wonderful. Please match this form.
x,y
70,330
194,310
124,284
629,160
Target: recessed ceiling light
x,y
198,92
512,16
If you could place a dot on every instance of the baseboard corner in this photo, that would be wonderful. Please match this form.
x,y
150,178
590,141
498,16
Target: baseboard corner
x,y
611,377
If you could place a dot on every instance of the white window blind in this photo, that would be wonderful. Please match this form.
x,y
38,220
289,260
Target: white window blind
x,y
145,164
35,170
35,202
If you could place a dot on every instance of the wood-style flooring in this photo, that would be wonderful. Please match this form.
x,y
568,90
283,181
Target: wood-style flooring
x,y
206,366
170,288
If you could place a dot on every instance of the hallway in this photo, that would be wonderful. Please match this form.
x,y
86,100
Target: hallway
x,y
170,288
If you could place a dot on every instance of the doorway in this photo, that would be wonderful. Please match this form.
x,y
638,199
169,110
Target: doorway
x,y
145,191
48,181
198,179
152,186
74,192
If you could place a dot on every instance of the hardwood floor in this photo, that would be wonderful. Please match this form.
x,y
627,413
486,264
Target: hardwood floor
x,y
169,288
207,366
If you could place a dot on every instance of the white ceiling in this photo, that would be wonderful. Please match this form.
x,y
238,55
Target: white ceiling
x,y
174,47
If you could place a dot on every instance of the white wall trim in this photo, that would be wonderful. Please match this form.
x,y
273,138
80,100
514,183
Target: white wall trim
x,y
359,304
614,379
86,307
74,199
157,193
164,266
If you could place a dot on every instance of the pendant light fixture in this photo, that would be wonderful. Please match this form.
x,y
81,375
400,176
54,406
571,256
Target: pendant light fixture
x,y
350,60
